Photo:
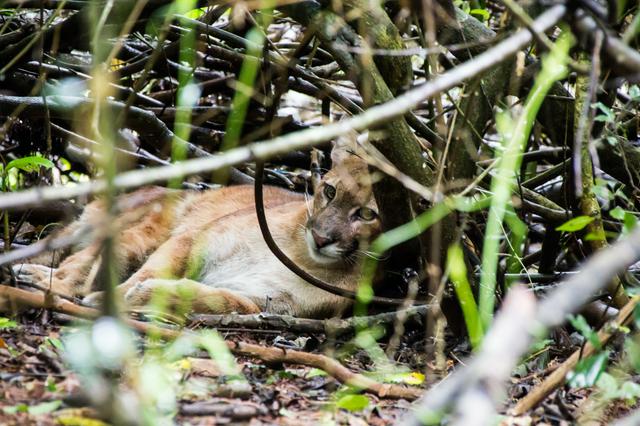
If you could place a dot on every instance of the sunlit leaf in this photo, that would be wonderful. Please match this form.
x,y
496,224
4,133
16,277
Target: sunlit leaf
x,y
353,402
576,224
51,384
7,323
595,236
20,408
183,364
315,372
409,378
42,408
588,370
45,407
483,14
29,164
195,13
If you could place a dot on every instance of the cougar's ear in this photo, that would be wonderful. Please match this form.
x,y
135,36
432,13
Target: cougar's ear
x,y
346,147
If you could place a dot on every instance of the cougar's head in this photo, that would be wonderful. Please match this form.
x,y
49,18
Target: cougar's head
x,y
344,216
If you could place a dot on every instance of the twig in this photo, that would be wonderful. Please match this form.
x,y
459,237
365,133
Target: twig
x,y
616,50
546,176
40,300
268,354
46,244
301,139
305,325
401,316
138,119
86,142
234,411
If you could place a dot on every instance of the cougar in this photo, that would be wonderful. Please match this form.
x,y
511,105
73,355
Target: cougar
x,y
208,246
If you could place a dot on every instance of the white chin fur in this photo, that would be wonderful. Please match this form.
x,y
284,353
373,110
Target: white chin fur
x,y
326,255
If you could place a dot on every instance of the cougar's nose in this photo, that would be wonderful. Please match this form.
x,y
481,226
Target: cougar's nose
x,y
320,240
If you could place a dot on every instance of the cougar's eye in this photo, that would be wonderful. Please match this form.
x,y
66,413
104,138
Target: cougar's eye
x,y
329,191
366,213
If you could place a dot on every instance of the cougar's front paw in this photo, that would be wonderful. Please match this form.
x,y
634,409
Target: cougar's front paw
x,y
32,273
139,295
94,299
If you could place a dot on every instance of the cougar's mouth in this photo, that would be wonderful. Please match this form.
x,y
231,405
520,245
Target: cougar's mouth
x,y
329,254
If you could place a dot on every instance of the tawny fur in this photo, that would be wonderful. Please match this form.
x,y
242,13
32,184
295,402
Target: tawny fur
x,y
208,246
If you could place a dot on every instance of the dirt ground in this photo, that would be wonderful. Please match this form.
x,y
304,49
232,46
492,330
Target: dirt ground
x,y
37,386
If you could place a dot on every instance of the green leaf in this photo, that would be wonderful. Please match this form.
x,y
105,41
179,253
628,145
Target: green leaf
x,y
596,236
634,93
45,407
608,114
612,140
55,342
482,13
579,323
409,378
51,384
315,372
588,370
576,224
458,274
195,13
20,408
617,213
630,221
353,402
29,164
7,323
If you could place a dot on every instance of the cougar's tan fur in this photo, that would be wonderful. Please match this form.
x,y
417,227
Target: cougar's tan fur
x,y
208,246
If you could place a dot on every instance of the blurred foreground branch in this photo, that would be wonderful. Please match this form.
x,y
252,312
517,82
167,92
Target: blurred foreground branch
x,y
514,330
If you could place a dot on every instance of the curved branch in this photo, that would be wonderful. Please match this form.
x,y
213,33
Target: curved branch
x,y
290,264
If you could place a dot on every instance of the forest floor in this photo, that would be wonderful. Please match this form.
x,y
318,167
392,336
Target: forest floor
x,y
38,388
